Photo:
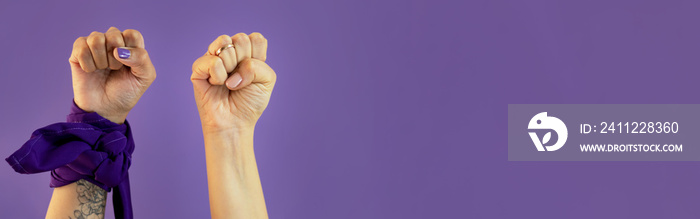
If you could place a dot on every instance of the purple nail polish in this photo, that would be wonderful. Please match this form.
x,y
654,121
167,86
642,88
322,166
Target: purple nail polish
x,y
123,53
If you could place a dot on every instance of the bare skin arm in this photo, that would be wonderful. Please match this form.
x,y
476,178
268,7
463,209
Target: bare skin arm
x,y
110,83
232,89
80,199
235,190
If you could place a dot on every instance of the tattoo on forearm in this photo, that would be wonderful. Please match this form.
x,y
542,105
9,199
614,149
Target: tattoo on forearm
x,y
92,201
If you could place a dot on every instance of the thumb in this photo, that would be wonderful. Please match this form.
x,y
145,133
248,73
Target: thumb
x,y
251,71
137,59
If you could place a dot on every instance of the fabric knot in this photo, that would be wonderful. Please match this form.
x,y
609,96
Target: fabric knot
x,y
112,143
116,164
88,147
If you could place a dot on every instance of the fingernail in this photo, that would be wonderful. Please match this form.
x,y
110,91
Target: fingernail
x,y
123,53
234,81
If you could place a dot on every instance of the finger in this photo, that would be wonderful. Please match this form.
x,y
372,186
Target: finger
x,y
251,71
114,40
209,68
81,55
219,42
242,43
138,60
133,38
258,46
96,42
227,55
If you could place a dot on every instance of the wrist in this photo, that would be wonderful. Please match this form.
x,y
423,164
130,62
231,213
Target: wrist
x,y
212,125
232,148
237,136
118,118
237,130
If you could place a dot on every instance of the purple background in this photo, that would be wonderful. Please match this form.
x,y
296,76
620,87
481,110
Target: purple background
x,y
382,109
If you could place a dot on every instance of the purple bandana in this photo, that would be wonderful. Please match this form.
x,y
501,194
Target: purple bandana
x,y
88,147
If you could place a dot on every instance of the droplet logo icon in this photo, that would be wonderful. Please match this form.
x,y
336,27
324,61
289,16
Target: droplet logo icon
x,y
543,122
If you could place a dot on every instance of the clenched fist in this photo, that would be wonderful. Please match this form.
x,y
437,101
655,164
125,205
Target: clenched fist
x,y
232,83
111,71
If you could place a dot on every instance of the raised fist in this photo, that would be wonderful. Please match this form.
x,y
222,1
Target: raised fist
x,y
111,71
232,83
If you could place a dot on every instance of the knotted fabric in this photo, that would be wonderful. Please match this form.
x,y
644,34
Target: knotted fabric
x,y
87,147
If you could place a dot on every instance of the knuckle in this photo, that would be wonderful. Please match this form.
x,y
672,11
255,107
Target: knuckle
x,y
200,64
240,37
223,38
80,41
135,34
255,35
256,38
95,40
196,64
143,53
248,64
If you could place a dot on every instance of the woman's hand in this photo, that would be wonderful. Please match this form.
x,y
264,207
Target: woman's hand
x,y
110,72
233,89
229,106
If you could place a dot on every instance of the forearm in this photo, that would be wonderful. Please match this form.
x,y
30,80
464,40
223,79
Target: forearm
x,y
80,199
234,184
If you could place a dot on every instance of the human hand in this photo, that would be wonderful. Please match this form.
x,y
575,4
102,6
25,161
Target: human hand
x,y
111,71
229,102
